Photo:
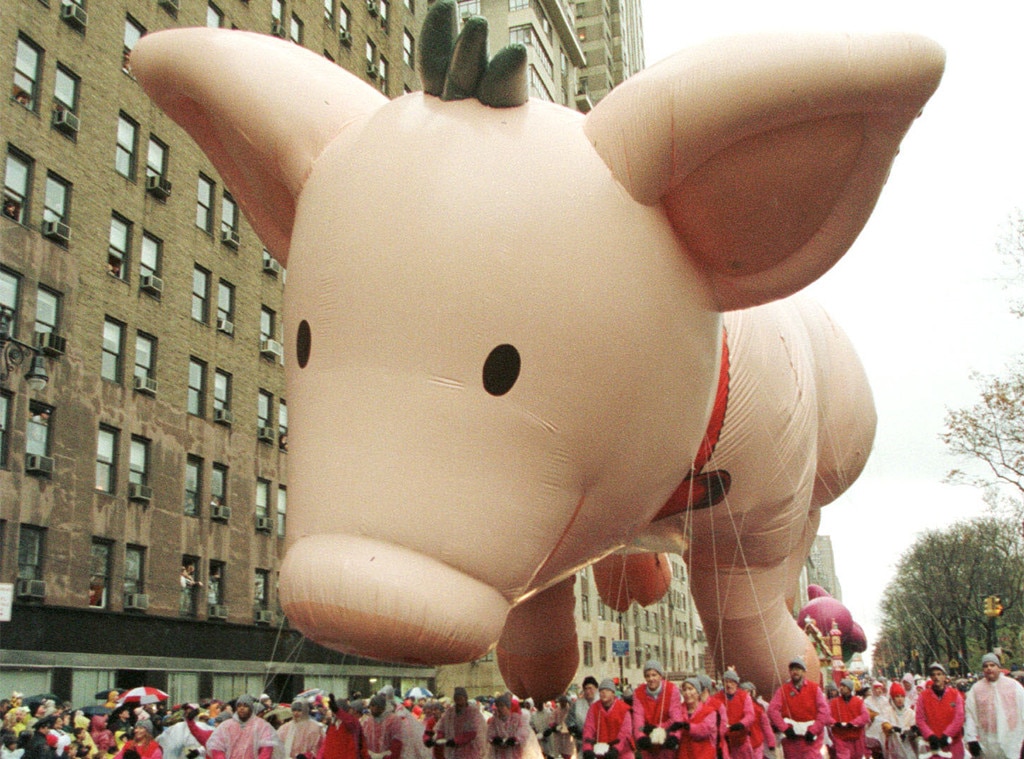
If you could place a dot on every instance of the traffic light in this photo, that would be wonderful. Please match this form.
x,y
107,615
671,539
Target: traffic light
x,y
993,606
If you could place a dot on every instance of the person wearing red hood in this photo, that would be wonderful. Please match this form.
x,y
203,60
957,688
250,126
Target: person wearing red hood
x,y
850,717
898,726
343,738
940,715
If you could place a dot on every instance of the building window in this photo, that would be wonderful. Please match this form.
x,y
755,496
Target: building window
x,y
602,609
267,319
225,305
56,199
37,429
221,391
469,8
138,461
47,310
10,284
119,246
282,509
145,357
200,294
602,648
382,72
383,8
196,387
99,582
282,425
215,584
150,255
408,49
588,654
106,459
410,5
113,349
193,485
133,32
134,569
261,591
295,30
156,159
329,12
30,552
262,499
190,586
344,18
65,89
537,87
264,404
371,55
5,425
277,10
17,181
518,5
214,16
585,608
28,58
204,204
219,485
229,217
127,143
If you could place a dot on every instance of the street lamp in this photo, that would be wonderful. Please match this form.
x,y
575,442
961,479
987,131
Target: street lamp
x,y
13,352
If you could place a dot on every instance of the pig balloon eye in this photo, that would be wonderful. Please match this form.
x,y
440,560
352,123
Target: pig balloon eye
x,y
501,369
303,343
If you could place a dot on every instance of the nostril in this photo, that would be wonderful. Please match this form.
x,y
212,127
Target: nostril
x,y
501,369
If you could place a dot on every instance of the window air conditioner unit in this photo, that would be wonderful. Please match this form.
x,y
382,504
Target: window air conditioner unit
x,y
263,524
146,385
30,588
74,15
371,69
277,29
151,283
345,37
136,601
265,435
218,611
264,617
220,513
65,121
51,343
158,186
271,266
223,416
271,349
230,238
57,231
38,465
223,325
171,6
371,7
140,493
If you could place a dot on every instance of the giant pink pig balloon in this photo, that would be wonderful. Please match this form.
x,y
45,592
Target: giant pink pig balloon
x,y
505,331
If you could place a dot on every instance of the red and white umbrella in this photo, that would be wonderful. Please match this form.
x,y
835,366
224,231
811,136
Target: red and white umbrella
x,y
144,694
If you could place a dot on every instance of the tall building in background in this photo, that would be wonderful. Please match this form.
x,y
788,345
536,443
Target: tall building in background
x,y
821,566
612,36
159,447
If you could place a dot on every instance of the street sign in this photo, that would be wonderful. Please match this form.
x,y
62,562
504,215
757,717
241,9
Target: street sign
x,y
620,648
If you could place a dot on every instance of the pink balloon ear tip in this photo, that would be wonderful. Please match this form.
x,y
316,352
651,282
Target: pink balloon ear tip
x,y
365,597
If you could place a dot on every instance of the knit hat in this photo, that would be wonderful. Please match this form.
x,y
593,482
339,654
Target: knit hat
x,y
146,725
935,665
694,681
747,686
797,661
706,682
991,658
655,665
301,705
847,682
896,690
244,700
730,674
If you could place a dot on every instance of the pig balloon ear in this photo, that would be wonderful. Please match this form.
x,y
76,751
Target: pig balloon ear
x,y
767,152
262,110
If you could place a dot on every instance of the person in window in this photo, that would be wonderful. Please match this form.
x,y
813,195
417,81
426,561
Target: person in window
x,y
12,209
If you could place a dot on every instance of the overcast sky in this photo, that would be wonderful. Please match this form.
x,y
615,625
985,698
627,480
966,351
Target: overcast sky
x,y
920,292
